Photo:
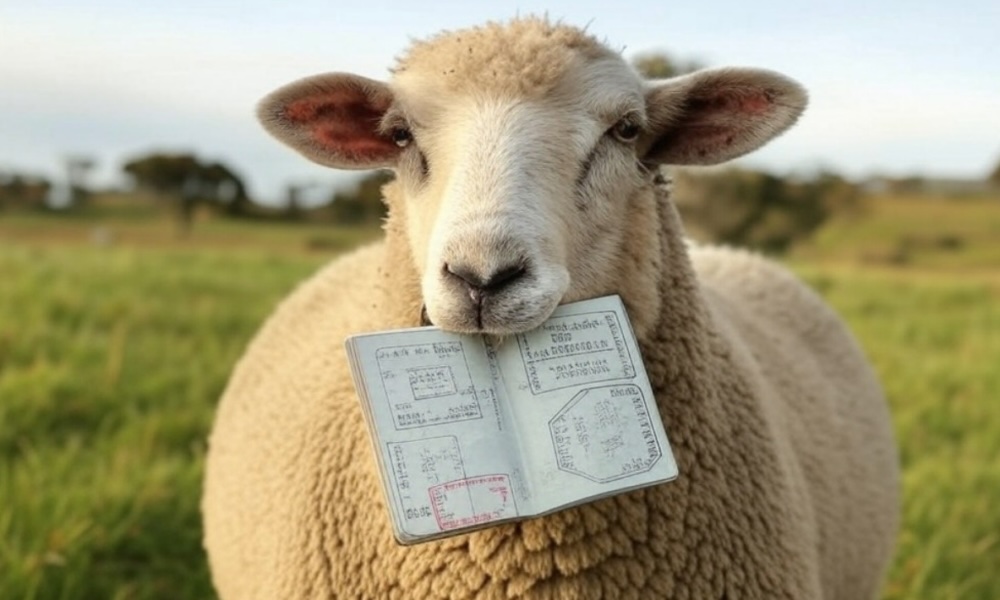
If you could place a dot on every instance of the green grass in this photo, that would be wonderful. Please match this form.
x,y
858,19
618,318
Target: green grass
x,y
922,232
112,359
918,279
935,342
146,230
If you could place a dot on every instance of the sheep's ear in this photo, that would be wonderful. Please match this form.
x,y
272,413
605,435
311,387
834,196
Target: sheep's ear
x,y
332,119
715,115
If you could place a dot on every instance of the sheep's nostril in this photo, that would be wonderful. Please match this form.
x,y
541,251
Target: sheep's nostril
x,y
465,274
478,286
503,277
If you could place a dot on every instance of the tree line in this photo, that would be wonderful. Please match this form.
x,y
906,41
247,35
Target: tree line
x,y
735,206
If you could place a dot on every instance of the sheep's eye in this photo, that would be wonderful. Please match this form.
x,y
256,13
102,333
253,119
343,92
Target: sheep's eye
x,y
401,137
625,130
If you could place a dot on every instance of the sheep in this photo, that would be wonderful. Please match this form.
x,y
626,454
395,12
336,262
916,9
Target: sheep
x,y
527,158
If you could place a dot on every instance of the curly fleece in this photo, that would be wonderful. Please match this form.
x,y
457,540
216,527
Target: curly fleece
x,y
788,471
524,57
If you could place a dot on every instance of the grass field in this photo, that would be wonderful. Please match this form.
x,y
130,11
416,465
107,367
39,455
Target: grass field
x,y
116,339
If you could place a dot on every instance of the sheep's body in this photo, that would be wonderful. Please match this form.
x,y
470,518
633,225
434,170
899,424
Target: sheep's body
x,y
523,182
787,486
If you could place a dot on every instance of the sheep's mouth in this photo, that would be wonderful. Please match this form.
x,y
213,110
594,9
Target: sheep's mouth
x,y
513,307
490,317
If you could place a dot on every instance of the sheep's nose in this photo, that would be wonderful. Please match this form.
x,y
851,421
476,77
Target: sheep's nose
x,y
478,285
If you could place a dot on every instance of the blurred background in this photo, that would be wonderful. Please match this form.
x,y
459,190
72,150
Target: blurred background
x,y
148,226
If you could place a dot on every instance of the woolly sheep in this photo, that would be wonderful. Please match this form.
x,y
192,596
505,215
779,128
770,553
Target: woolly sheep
x,y
526,158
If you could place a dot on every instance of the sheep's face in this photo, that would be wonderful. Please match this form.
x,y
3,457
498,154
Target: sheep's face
x,y
516,204
517,197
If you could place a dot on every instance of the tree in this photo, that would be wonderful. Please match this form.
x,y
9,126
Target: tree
x,y
363,204
760,210
657,65
24,192
226,189
78,167
186,182
293,199
994,177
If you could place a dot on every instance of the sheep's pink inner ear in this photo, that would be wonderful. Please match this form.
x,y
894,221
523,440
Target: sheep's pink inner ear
x,y
342,123
333,119
714,116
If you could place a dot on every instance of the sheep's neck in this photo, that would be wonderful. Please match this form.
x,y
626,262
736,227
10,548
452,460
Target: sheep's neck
x,y
399,299
666,303
655,278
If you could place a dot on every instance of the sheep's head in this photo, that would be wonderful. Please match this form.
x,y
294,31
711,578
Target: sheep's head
x,y
518,148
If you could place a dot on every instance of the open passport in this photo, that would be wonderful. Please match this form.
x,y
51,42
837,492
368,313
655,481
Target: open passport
x,y
469,432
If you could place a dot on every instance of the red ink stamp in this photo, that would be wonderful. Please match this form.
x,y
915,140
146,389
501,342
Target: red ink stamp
x,y
472,501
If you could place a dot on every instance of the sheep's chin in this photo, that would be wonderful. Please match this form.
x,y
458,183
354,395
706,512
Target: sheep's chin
x,y
497,317
521,307
496,323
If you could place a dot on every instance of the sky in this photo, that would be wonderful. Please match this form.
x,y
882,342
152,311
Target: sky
x,y
896,87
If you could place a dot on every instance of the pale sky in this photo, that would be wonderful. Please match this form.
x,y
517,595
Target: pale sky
x,y
896,86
